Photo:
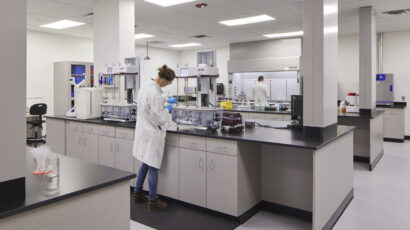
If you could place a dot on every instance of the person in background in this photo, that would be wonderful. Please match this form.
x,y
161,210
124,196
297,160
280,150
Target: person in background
x,y
260,91
150,133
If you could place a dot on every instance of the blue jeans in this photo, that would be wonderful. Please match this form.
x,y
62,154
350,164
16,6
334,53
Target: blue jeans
x,y
152,180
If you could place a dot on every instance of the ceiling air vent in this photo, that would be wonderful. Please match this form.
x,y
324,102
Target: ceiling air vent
x,y
396,12
201,36
89,15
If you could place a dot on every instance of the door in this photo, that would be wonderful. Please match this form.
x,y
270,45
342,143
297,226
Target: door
x,y
169,172
222,183
75,144
123,157
90,148
192,176
106,146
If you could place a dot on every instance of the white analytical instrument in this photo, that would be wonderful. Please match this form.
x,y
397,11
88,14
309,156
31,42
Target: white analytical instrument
x,y
206,89
352,103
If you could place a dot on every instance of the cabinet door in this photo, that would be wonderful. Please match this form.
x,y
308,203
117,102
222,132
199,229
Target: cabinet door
x,y
222,183
106,146
56,135
90,148
123,157
75,144
192,176
169,172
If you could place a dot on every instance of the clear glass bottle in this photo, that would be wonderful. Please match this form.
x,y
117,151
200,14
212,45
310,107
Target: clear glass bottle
x,y
53,165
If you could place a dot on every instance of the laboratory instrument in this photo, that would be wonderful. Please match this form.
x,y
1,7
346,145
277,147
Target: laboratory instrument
x,y
297,111
203,118
352,102
384,89
123,79
35,124
206,89
88,103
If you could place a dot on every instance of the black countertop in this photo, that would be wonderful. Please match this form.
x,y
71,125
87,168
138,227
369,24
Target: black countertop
x,y
256,111
395,105
284,137
97,121
374,114
76,177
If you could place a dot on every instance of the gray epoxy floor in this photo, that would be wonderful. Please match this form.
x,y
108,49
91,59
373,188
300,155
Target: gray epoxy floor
x,y
382,198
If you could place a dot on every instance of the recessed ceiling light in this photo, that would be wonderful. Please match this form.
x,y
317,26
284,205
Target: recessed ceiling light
x,y
166,3
142,36
285,35
63,24
248,20
185,45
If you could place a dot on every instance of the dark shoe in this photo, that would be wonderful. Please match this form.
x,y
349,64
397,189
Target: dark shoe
x,y
140,197
156,205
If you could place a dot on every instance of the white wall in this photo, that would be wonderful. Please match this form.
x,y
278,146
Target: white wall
x,y
396,56
396,60
189,58
43,49
158,57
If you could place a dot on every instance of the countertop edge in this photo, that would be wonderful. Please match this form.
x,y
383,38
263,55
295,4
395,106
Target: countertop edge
x,y
64,197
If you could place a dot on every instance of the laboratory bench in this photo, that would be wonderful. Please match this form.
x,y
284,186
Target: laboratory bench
x,y
368,135
83,196
263,115
279,170
394,121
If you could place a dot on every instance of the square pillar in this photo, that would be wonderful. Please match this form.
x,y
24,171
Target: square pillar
x,y
114,29
319,64
367,55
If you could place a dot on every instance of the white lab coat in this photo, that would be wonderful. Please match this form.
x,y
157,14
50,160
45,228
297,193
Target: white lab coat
x,y
260,92
150,131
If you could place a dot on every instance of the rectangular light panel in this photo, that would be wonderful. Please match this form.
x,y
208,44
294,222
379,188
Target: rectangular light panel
x,y
142,36
285,35
248,20
166,3
62,24
185,45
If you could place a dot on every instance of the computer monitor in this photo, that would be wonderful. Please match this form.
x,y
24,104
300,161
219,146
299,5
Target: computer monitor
x,y
297,107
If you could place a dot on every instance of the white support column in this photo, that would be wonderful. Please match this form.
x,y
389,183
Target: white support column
x,y
319,63
114,28
13,92
368,52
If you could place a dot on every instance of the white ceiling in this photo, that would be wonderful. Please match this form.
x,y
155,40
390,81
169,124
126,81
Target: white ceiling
x,y
176,24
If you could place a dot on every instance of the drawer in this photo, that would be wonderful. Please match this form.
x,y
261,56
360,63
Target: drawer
x,y
124,133
191,142
172,140
107,131
91,129
222,146
75,126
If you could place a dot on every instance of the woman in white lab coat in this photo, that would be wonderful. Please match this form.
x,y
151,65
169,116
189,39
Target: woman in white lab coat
x,y
152,115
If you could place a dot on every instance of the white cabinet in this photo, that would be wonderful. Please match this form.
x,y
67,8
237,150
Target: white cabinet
x,y
90,148
123,154
74,144
168,178
192,172
222,186
107,149
56,135
394,123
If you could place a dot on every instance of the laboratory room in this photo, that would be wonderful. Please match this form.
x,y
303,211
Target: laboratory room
x,y
204,114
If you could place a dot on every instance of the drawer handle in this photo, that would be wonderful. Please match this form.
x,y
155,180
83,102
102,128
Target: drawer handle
x,y
211,165
201,163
